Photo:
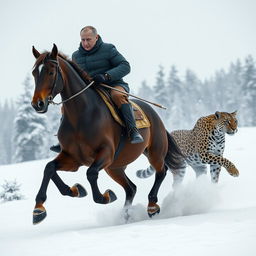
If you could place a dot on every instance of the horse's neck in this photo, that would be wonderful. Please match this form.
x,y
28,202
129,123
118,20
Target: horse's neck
x,y
86,101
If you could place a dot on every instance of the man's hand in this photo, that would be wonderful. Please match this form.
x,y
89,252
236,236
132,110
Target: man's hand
x,y
101,78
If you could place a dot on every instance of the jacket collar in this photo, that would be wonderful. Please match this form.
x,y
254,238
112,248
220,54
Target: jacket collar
x,y
94,49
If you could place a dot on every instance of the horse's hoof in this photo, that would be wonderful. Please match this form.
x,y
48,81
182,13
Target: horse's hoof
x,y
38,215
80,190
110,196
153,210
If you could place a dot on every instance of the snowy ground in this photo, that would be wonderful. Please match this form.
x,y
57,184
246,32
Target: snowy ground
x,y
198,219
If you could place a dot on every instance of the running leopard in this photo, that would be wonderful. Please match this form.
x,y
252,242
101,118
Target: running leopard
x,y
203,145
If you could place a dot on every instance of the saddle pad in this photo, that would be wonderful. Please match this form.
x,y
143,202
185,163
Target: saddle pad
x,y
140,117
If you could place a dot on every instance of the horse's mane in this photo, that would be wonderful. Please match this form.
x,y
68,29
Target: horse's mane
x,y
83,74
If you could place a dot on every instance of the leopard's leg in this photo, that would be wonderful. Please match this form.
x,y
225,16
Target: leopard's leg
x,y
199,169
178,176
209,158
215,172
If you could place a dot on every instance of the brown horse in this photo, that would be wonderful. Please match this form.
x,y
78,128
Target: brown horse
x,y
89,136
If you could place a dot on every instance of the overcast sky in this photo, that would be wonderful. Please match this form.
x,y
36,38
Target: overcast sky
x,y
203,35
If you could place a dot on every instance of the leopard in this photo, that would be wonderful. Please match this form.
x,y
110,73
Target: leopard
x,y
203,145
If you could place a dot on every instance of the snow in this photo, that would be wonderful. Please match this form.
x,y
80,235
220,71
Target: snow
x,y
199,218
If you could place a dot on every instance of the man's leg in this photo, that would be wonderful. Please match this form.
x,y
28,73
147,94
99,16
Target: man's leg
x,y
121,101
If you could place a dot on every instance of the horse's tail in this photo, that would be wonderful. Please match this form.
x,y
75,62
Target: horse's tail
x,y
174,158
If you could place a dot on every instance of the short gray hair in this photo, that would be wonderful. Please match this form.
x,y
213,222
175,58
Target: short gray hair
x,y
89,28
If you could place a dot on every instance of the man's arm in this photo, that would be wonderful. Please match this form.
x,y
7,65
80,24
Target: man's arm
x,y
121,66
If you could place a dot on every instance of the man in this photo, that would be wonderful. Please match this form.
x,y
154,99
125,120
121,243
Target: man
x,y
106,65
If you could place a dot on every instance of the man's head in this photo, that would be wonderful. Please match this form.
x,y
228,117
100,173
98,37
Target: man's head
x,y
89,37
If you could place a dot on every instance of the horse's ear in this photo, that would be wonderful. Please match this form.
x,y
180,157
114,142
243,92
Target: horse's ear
x,y
35,52
54,52
217,114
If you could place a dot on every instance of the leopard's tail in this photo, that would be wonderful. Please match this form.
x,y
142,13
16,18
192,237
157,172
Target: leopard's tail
x,y
145,173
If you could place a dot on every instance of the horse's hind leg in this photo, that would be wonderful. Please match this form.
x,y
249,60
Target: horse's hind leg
x,y
103,158
156,155
120,177
160,174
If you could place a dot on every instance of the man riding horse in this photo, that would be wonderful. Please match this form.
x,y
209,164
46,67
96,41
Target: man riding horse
x,y
106,65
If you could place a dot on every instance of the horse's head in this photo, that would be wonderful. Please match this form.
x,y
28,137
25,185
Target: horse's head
x,y
47,74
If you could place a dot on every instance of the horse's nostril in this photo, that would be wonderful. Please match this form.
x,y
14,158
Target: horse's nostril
x,y
40,104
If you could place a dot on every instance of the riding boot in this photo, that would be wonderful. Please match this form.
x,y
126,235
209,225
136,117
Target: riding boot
x,y
133,133
56,148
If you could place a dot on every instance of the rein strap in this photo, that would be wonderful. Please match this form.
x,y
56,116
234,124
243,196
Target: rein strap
x,y
73,96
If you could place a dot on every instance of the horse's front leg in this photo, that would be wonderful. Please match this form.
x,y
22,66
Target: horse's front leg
x,y
60,163
39,212
103,159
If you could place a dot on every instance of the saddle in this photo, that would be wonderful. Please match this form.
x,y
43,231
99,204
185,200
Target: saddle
x,y
140,117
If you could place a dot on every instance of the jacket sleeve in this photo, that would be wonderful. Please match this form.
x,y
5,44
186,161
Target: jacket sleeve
x,y
121,66
74,57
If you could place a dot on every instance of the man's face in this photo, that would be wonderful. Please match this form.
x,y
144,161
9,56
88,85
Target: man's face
x,y
88,39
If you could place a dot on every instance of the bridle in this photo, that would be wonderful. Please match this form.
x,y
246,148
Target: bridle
x,y
58,74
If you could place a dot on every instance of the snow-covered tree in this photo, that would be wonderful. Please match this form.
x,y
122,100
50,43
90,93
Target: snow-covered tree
x,y
248,108
11,191
177,96
7,114
160,93
30,128
145,91
234,87
194,97
53,123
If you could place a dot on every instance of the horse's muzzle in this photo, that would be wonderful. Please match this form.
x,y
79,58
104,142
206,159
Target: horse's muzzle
x,y
40,106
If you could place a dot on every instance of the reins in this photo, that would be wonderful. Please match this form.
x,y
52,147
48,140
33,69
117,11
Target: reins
x,y
50,98
128,94
73,96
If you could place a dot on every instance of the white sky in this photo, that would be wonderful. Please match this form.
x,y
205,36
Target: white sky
x,y
196,34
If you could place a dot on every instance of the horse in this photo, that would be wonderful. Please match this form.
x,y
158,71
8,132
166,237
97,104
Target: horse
x,y
89,136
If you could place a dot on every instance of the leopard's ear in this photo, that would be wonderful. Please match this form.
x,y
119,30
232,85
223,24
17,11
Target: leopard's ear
x,y
234,113
217,115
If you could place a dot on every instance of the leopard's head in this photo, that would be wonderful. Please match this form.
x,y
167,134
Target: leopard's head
x,y
227,121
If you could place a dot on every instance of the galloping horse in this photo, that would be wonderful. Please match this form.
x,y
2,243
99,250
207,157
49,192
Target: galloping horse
x,y
89,136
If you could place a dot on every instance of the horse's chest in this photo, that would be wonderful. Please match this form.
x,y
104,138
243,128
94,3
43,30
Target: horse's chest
x,y
79,144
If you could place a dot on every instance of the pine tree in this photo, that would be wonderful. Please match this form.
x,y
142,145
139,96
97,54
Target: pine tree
x,y
161,95
53,123
176,93
220,88
194,98
30,128
145,91
234,87
7,113
248,108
